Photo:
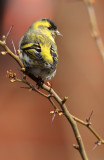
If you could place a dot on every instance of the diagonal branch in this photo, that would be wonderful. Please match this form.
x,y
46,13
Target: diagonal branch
x,y
61,103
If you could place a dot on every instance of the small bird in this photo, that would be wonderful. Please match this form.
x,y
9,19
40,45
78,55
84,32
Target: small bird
x,y
38,50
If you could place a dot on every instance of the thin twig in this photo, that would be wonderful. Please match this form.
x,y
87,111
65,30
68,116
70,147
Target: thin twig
x,y
14,48
8,32
33,88
94,26
89,127
89,119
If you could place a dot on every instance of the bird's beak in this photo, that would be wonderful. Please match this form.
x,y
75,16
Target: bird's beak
x,y
58,33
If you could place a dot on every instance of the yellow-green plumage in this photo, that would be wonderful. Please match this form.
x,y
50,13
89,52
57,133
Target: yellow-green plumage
x,y
38,50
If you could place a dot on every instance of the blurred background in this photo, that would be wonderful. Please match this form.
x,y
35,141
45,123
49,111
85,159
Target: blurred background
x,y
26,128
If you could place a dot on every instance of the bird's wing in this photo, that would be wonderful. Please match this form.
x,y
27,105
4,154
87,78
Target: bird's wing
x,y
33,50
53,51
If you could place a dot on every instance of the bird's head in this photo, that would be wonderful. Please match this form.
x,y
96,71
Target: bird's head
x,y
46,24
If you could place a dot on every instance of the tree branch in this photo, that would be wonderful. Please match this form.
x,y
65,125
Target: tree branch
x,y
50,92
94,26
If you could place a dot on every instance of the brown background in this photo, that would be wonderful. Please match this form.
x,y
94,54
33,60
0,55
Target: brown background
x,y
26,131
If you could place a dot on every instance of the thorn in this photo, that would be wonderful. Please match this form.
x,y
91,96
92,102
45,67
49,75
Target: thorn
x,y
94,147
89,119
64,100
9,32
53,116
57,111
98,143
14,48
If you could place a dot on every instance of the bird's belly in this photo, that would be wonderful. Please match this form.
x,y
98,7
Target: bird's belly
x,y
37,69
45,73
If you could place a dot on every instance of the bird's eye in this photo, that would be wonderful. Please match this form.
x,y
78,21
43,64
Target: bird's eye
x,y
49,28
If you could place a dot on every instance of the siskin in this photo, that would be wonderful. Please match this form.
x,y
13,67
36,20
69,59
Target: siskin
x,y
38,50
